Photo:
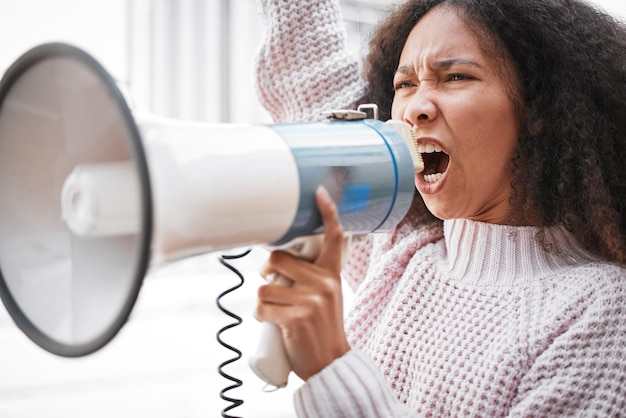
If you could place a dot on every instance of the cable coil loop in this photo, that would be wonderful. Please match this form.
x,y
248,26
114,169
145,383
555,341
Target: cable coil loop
x,y
237,382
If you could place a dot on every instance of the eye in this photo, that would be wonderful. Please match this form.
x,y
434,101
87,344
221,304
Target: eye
x,y
402,85
459,77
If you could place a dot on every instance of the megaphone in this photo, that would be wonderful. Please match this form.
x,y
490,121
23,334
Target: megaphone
x,y
93,194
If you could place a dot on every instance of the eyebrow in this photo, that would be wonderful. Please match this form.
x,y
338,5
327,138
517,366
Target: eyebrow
x,y
439,65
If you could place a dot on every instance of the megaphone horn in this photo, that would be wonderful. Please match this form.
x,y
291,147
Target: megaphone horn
x,y
94,194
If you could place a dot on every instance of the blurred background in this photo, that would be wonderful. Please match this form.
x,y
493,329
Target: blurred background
x,y
188,59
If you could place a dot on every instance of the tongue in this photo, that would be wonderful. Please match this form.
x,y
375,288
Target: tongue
x,y
436,162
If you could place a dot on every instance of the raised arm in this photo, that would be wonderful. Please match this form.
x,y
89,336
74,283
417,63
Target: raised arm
x,y
303,66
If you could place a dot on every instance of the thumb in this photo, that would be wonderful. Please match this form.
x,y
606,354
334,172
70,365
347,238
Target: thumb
x,y
331,254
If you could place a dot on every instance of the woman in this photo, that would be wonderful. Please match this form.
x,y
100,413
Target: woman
x,y
515,303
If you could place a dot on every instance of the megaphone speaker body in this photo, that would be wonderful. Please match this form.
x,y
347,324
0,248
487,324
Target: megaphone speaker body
x,y
94,194
225,185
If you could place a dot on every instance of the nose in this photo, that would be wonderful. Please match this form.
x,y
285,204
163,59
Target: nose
x,y
419,109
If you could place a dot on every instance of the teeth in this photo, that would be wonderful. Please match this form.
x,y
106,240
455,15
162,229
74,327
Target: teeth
x,y
428,148
433,178
416,156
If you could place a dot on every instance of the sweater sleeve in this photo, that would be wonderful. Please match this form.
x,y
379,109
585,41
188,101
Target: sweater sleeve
x,y
303,66
351,386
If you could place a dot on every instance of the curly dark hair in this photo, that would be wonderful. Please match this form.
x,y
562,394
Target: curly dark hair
x,y
570,59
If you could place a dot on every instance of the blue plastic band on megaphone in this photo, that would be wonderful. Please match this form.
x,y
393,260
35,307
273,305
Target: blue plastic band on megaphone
x,y
365,168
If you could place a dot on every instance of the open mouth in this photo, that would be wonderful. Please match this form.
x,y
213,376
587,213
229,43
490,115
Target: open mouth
x,y
435,162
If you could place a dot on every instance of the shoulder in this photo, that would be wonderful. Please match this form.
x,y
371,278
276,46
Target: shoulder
x,y
599,280
591,301
580,347
585,291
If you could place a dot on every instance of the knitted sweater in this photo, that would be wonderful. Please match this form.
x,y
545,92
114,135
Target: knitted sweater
x,y
469,319
303,67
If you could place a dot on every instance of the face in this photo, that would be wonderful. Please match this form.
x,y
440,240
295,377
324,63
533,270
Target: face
x,y
453,96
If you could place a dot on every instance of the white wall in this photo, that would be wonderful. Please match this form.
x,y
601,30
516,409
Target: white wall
x,y
174,57
97,26
615,7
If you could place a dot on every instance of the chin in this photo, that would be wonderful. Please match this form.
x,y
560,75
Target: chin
x,y
441,213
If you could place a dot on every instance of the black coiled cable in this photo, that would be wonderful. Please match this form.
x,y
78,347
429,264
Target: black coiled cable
x,y
237,382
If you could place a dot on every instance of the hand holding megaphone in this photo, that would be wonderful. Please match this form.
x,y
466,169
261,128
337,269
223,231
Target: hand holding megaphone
x,y
270,361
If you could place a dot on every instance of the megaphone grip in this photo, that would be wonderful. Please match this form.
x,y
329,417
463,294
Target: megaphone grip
x,y
270,362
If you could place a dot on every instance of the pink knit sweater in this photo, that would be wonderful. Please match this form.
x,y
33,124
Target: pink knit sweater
x,y
465,320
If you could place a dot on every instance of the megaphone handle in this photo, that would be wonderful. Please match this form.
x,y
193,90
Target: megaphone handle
x,y
270,362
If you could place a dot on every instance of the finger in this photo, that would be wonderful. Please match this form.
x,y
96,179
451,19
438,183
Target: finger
x,y
270,305
279,263
287,270
275,303
331,253
276,295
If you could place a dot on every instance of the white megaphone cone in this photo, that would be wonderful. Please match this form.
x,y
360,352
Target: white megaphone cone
x,y
93,195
